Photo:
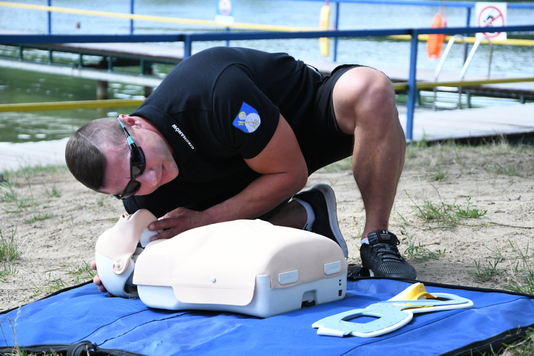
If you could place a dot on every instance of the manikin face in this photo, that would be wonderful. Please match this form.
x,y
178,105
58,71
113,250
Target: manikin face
x,y
160,166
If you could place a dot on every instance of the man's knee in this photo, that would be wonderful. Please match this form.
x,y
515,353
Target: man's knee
x,y
363,93
371,84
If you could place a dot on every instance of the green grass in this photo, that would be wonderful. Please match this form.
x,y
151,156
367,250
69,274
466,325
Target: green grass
x,y
436,158
72,274
521,270
438,175
54,192
9,250
419,253
524,347
447,215
488,271
9,253
81,272
339,166
53,284
16,191
37,218
7,193
517,271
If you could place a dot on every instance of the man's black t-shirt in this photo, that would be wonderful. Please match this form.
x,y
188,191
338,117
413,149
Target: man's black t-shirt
x,y
215,109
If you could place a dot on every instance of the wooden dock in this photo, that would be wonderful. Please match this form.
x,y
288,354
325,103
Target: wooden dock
x,y
144,54
470,124
466,124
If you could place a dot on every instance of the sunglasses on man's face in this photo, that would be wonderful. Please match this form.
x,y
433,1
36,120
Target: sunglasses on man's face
x,y
137,165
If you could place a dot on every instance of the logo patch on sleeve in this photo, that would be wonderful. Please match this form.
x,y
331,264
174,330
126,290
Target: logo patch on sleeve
x,y
248,120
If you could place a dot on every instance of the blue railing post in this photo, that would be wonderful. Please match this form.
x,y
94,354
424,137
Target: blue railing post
x,y
468,19
49,3
412,81
467,24
131,20
187,45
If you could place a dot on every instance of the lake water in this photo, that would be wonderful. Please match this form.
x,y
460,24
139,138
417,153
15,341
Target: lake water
x,y
21,87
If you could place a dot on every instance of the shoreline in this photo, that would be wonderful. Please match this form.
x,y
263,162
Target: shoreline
x,y
26,154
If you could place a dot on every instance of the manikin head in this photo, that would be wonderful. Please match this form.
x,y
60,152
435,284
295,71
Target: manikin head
x,y
117,249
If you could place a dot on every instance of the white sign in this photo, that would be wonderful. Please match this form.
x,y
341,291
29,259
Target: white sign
x,y
491,14
224,13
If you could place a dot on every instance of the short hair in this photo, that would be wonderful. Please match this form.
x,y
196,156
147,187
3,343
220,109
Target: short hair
x,y
84,151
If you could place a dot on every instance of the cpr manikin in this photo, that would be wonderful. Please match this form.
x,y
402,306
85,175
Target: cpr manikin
x,y
244,266
118,248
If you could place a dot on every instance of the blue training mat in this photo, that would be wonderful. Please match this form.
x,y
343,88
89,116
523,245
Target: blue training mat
x,y
85,314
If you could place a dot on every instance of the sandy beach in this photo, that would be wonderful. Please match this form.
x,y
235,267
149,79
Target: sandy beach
x,y
479,235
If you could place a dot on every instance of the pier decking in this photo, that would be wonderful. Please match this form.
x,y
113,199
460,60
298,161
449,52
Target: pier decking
x,y
144,54
510,120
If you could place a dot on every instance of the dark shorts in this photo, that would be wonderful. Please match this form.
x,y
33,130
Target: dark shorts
x,y
330,144
334,144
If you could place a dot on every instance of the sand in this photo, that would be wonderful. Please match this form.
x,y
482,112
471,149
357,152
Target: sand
x,y
54,221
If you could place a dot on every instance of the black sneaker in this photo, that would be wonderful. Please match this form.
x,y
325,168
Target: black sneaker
x,y
323,202
382,258
355,272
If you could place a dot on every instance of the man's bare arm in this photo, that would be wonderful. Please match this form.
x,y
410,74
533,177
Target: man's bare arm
x,y
283,173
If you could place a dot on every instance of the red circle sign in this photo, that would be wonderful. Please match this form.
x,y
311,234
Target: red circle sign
x,y
491,16
225,7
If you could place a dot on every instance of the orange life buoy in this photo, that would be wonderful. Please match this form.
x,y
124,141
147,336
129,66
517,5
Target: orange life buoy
x,y
434,42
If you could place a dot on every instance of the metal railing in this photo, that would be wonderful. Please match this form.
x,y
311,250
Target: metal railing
x,y
465,66
469,6
132,16
189,38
